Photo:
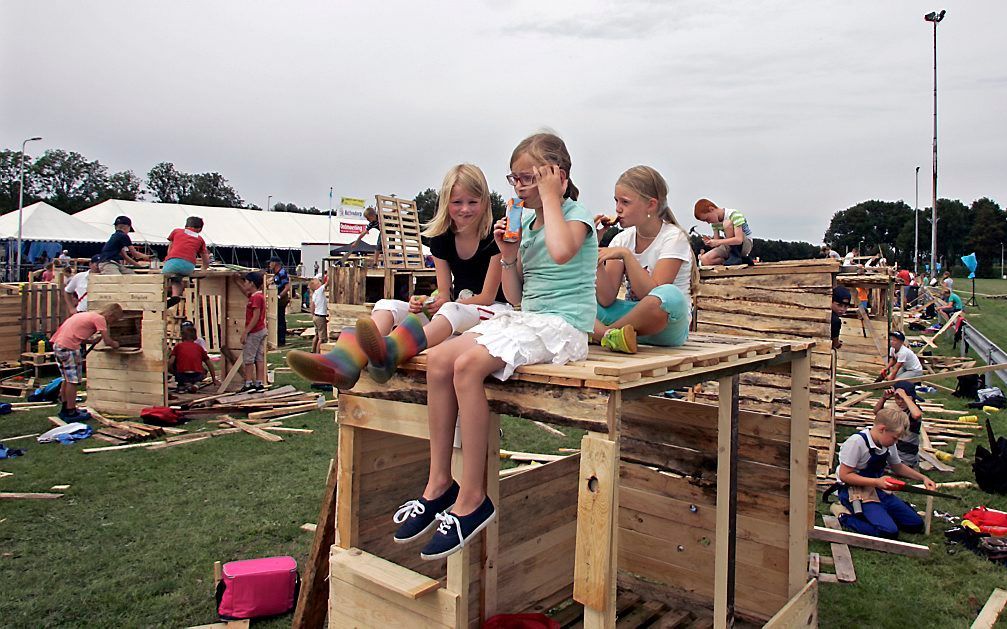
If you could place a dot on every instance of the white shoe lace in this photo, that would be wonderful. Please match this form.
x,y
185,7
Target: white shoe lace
x,y
447,520
410,509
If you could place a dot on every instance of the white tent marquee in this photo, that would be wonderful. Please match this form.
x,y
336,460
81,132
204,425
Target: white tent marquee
x,y
223,226
41,221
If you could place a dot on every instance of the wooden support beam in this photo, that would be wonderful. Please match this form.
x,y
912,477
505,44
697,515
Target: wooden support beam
x,y
348,488
252,430
800,409
871,543
17,495
595,564
727,504
800,612
233,371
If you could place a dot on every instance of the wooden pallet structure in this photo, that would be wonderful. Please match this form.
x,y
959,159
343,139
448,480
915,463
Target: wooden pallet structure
x,y
696,507
778,300
27,308
125,381
865,334
399,220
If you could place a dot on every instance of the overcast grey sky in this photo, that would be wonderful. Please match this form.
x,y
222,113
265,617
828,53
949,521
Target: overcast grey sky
x,y
787,110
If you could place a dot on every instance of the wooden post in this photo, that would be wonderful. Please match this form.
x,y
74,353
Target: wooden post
x,y
491,534
800,405
596,564
929,515
727,504
347,489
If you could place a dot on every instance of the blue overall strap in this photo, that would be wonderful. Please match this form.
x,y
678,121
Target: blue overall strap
x,y
875,467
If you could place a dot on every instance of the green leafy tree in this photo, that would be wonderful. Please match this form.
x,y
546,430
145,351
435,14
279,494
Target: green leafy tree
x,y
869,224
498,205
123,185
954,220
10,180
211,189
987,235
167,184
69,181
426,205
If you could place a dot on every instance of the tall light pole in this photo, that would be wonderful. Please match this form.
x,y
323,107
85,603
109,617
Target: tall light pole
x,y
916,216
269,199
20,208
328,251
936,18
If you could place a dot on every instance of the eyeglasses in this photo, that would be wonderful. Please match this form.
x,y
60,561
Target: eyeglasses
x,y
525,179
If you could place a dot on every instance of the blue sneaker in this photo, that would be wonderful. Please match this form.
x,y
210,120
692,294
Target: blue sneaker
x,y
455,530
417,517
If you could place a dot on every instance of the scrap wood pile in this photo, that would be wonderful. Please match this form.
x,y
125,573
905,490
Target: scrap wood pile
x,y
285,400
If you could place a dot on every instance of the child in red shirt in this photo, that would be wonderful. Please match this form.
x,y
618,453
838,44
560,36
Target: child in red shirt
x,y
180,261
253,338
187,360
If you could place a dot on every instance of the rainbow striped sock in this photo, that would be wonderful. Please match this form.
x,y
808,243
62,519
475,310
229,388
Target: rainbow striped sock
x,y
405,341
340,367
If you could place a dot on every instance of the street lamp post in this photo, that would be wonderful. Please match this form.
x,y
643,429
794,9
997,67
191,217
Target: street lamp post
x,y
934,17
20,208
269,199
916,217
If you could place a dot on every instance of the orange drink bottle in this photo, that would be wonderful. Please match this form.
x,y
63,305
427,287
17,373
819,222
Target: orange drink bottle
x,y
515,208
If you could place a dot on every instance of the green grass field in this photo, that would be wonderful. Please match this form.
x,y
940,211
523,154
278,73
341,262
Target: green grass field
x,y
132,542
990,317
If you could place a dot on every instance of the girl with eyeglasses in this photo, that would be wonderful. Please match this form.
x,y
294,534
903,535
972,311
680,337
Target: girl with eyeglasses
x,y
467,262
653,259
550,273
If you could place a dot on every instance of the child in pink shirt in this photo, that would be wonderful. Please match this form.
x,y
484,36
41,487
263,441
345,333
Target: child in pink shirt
x,y
66,345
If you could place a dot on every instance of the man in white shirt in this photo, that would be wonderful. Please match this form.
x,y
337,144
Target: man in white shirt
x,y
75,292
902,362
319,313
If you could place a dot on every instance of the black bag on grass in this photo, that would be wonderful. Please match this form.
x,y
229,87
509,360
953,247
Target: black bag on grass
x,y
990,466
969,385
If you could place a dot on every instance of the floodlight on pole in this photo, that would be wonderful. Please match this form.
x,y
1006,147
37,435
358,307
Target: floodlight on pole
x,y
20,208
936,18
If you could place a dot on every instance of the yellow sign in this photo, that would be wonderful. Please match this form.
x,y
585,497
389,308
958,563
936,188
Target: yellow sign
x,y
352,201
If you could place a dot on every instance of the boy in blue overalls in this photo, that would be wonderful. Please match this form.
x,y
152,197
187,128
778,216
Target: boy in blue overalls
x,y
862,461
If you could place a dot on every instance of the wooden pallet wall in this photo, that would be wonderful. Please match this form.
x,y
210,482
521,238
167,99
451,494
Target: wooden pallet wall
x,y
778,301
668,498
537,512
399,220
865,343
11,341
120,383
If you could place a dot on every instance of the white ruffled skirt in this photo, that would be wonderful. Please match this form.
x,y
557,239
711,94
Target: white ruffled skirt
x,y
530,338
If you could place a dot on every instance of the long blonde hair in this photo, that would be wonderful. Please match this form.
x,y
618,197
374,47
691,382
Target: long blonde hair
x,y
473,181
649,184
548,148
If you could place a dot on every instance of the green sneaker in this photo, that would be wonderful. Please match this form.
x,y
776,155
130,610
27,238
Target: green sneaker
x,y
620,340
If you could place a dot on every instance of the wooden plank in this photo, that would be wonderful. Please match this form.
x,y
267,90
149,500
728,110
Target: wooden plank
x,y
727,504
348,488
226,382
17,495
595,520
125,447
386,574
845,571
871,543
990,612
943,374
800,612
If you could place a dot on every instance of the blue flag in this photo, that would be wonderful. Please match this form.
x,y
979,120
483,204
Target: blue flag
x,y
971,262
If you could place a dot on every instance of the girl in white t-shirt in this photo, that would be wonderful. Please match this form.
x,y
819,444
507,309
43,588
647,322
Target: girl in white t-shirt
x,y
652,257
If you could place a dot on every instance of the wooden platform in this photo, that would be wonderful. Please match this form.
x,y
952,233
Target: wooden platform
x,y
708,505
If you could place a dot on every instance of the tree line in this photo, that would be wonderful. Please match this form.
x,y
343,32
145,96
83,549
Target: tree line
x,y
890,227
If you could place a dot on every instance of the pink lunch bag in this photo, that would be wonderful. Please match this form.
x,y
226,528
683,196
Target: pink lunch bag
x,y
256,588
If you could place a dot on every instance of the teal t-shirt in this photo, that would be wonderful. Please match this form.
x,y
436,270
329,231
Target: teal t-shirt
x,y
955,301
566,290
